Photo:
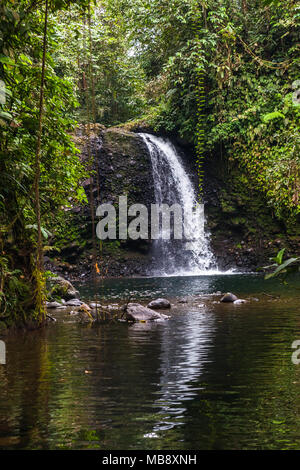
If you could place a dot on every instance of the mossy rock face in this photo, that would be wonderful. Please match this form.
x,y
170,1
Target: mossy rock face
x,y
122,167
122,142
125,168
244,231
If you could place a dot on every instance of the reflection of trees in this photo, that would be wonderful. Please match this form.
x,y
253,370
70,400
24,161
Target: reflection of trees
x,y
38,396
251,399
24,395
215,378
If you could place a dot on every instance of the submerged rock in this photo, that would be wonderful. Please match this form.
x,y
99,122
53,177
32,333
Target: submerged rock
x,y
159,303
229,297
82,314
136,312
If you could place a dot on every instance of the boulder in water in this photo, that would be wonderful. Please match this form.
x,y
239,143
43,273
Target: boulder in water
x,y
54,305
136,312
62,288
229,297
159,303
74,303
240,301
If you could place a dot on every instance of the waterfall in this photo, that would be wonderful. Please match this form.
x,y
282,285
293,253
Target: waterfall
x,y
172,185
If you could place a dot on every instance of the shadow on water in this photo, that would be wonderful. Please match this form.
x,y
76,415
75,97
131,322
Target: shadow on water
x,y
212,377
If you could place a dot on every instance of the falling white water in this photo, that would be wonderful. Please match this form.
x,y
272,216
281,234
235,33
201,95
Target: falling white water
x,y
172,185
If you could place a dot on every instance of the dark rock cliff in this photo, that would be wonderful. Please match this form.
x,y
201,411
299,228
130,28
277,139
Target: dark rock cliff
x,y
121,167
244,232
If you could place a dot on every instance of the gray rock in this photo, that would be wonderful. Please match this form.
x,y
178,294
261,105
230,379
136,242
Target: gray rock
x,y
136,312
111,308
159,303
54,305
59,286
74,303
94,305
229,297
240,301
72,294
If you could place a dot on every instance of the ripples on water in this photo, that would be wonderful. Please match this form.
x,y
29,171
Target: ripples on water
x,y
212,377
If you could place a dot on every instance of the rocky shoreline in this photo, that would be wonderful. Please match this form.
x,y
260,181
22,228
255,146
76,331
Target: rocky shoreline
x,y
88,312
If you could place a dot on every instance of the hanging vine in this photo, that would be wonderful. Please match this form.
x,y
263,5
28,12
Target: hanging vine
x,y
200,96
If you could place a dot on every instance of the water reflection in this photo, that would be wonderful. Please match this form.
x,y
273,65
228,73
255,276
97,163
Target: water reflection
x,y
148,288
184,354
210,377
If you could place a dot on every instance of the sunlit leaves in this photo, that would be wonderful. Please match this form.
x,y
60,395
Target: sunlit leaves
x,y
283,268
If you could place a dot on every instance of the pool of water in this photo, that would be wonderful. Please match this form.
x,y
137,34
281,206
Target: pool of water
x,y
147,288
213,376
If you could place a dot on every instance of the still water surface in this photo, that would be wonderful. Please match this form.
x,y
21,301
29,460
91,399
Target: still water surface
x,y
214,376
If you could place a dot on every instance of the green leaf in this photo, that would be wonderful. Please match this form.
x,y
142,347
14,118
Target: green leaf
x,y
281,268
44,231
5,115
279,256
6,60
25,59
271,116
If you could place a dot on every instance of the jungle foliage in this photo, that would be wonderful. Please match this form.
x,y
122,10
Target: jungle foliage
x,y
147,56
249,53
138,62
21,52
